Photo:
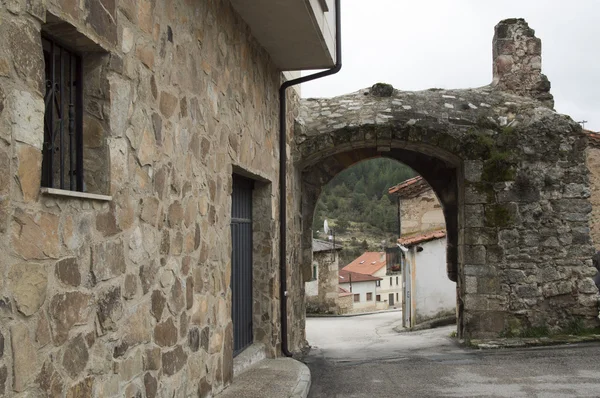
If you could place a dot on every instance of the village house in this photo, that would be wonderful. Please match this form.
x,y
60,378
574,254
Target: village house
x,y
420,209
428,293
322,293
140,192
389,287
362,288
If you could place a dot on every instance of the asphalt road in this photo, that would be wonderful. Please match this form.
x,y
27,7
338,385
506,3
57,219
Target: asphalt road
x,y
364,357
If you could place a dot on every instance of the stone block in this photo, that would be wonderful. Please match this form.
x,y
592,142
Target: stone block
x,y
132,366
173,361
120,105
148,273
110,308
102,18
184,324
35,237
137,327
1,345
106,224
26,113
108,260
175,215
50,381
82,389
28,283
130,286
150,385
474,216
150,211
3,378
67,271
75,357
152,359
168,104
165,333
475,254
29,171
22,40
67,310
176,301
24,357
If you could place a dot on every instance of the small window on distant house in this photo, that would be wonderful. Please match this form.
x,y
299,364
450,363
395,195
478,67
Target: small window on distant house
x,y
397,297
314,275
378,283
390,281
378,297
62,164
396,281
356,298
369,296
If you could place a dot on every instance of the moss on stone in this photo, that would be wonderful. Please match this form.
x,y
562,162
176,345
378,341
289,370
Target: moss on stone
x,y
499,167
477,145
498,216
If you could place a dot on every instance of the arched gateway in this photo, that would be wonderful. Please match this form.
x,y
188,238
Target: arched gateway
x,y
509,171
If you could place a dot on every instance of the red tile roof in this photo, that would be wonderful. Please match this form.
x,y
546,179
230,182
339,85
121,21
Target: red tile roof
x,y
593,138
368,263
347,277
416,239
343,292
410,188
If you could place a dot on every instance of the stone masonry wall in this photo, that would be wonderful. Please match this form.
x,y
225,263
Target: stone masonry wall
x,y
421,213
593,164
509,171
130,297
326,301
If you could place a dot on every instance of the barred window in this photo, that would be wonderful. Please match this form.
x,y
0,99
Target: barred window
x,y
62,164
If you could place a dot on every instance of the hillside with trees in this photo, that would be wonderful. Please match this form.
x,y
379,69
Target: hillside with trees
x,y
357,205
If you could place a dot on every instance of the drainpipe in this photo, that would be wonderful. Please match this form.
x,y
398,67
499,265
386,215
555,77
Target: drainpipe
x,y
283,173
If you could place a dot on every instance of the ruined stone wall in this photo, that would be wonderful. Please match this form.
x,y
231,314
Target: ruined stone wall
x,y
130,296
421,213
326,301
593,164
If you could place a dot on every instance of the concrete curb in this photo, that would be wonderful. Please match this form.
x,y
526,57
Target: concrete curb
x,y
303,383
530,342
351,315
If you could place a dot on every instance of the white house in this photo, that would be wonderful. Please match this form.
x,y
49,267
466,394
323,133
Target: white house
x,y
428,294
363,289
389,288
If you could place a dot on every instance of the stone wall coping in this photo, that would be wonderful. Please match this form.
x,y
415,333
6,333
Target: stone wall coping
x,y
76,194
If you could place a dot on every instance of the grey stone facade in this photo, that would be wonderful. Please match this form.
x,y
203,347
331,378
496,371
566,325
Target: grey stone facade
x,y
128,294
509,171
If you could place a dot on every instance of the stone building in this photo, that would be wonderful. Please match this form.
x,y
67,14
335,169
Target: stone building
x,y
125,128
322,293
420,209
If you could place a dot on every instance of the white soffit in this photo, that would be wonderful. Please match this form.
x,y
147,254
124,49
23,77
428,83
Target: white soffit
x,y
289,31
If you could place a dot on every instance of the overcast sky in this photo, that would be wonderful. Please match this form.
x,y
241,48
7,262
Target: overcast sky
x,y
416,45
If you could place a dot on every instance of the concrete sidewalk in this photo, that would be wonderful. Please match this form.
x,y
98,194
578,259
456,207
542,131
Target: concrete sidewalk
x,y
271,378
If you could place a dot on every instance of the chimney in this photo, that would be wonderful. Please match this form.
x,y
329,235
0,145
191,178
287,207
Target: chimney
x,y
517,56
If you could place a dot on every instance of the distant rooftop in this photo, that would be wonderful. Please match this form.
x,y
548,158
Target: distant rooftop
x,y
319,245
355,277
410,188
368,263
593,138
421,238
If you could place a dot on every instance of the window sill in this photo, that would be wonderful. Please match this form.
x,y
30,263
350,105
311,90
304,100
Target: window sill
x,y
75,194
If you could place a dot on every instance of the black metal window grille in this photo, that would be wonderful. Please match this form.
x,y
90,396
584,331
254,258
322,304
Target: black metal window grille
x,y
62,161
241,264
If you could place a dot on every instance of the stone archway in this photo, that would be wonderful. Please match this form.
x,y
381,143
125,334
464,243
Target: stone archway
x,y
508,170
